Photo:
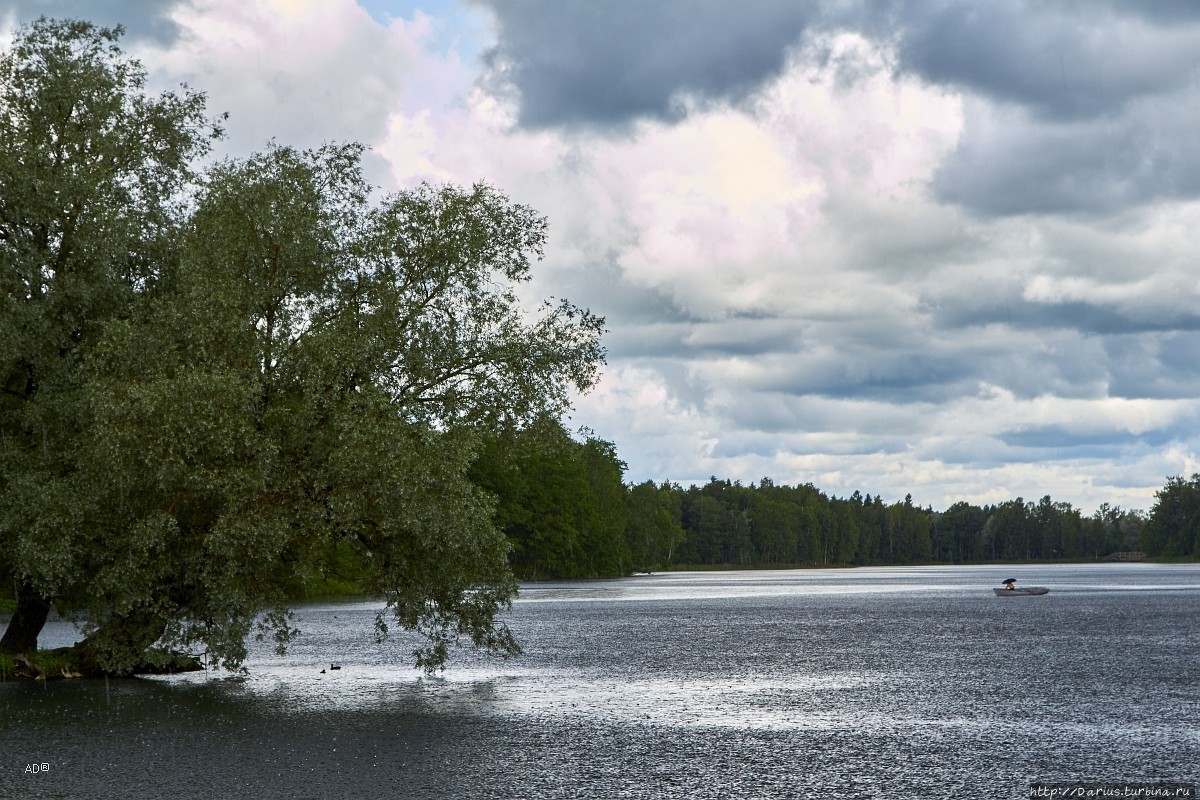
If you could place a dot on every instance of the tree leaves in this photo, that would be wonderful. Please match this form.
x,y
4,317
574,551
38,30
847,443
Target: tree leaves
x,y
218,379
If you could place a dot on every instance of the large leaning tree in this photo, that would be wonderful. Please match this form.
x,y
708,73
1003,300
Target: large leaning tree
x,y
310,367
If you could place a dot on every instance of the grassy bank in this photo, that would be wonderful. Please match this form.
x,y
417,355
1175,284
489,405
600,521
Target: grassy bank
x,y
66,663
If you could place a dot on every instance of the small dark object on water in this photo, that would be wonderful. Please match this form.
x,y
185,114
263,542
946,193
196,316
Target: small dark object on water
x,y
334,666
322,672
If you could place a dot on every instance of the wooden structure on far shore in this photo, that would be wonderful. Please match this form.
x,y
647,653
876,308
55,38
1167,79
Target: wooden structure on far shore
x,y
1127,555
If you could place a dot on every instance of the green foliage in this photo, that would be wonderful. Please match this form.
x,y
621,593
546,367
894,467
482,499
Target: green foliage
x,y
224,396
958,533
341,570
1173,528
655,526
560,502
94,172
907,533
770,525
336,366
603,530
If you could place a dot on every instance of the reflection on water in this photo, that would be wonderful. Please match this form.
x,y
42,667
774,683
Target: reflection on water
x,y
891,682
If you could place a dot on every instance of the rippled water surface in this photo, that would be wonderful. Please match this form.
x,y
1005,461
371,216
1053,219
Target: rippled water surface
x,y
881,683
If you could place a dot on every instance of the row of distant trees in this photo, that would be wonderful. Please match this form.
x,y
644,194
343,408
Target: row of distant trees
x,y
566,513
772,525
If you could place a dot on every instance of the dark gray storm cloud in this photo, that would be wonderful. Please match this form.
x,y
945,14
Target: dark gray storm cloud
x,y
1166,366
142,19
1056,60
1093,319
1158,12
1010,167
1093,444
1078,105
606,63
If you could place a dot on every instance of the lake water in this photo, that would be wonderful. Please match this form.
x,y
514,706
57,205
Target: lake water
x,y
865,683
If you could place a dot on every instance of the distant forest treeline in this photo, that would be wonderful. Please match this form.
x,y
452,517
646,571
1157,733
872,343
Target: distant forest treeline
x,y
568,514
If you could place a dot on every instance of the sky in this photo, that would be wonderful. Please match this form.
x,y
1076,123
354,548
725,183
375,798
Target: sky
x,y
894,246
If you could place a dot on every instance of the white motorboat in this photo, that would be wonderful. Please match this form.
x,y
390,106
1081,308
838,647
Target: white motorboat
x,y
1019,592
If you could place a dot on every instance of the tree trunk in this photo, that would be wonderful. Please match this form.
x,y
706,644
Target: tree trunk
x,y
21,635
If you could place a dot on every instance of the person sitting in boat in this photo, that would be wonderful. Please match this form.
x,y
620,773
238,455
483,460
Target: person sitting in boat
x,y
1008,584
